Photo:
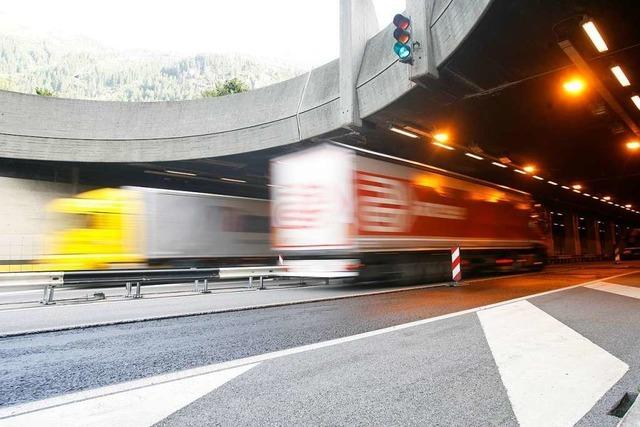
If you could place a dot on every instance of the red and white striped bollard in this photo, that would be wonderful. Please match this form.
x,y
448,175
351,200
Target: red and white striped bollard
x,y
456,272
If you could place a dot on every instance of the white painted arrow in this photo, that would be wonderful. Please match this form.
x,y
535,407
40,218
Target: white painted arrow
x,y
552,374
139,406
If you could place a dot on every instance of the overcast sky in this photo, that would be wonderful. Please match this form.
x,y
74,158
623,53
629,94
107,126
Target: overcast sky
x,y
303,32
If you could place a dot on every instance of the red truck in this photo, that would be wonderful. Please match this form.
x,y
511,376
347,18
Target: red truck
x,y
348,211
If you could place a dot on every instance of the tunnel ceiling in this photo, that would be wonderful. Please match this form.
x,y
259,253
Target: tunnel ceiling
x,y
501,92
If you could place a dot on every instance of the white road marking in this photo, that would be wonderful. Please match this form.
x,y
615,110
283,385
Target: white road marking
x,y
627,291
253,360
553,375
142,406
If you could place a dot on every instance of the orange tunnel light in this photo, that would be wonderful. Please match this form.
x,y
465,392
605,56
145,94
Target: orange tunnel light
x,y
574,86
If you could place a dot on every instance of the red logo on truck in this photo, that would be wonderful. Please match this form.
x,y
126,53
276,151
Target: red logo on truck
x,y
300,206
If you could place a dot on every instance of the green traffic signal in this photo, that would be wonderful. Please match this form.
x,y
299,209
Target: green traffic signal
x,y
402,34
403,51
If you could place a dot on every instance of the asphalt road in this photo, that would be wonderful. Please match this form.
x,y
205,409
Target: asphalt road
x,y
568,360
44,365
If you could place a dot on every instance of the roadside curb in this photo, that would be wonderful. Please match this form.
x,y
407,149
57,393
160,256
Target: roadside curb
x,y
218,311
272,305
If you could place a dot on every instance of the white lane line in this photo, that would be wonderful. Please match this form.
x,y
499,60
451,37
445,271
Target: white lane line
x,y
133,407
144,382
627,291
553,375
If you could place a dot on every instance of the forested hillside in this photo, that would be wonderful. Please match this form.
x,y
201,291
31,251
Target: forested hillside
x,y
82,69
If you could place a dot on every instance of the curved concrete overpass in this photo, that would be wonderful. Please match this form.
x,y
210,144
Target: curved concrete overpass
x,y
41,128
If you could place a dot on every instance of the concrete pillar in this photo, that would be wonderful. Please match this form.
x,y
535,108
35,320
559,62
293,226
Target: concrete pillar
x,y
358,23
609,238
421,13
75,178
572,235
548,220
593,236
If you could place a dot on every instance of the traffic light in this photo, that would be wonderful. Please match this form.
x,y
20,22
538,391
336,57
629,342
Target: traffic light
x,y
402,34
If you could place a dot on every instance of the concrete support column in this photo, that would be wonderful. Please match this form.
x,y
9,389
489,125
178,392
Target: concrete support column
x,y
593,237
609,238
572,235
421,14
358,23
75,178
548,220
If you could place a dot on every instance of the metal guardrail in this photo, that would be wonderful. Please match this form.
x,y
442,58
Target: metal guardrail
x,y
30,278
157,276
133,280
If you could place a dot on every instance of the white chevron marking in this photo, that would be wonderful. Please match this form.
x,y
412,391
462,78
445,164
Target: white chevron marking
x,y
139,406
553,375
627,291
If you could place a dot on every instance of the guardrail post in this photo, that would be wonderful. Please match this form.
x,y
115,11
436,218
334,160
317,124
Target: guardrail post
x,y
129,293
205,286
250,282
261,283
47,298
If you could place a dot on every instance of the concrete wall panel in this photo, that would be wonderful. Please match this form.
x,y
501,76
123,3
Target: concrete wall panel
x,y
314,122
454,24
33,115
144,150
379,92
318,92
24,220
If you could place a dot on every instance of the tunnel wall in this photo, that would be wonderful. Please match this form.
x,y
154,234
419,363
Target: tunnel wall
x,y
24,220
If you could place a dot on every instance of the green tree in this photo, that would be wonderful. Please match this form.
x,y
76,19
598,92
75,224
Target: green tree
x,y
227,87
42,91
210,93
88,70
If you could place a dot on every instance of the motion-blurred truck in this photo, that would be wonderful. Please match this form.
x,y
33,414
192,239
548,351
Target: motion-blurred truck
x,y
134,227
349,211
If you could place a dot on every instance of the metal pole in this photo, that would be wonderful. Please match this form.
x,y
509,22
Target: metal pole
x,y
250,282
138,295
47,298
128,290
261,282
